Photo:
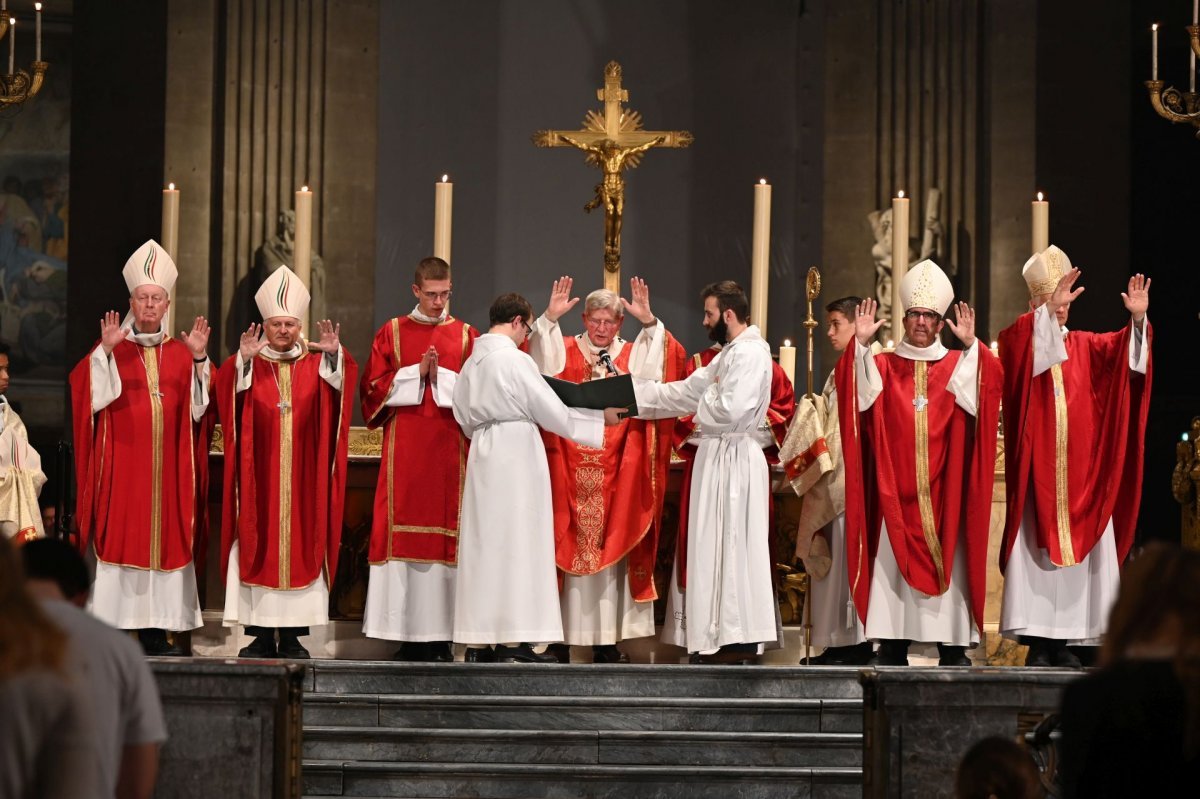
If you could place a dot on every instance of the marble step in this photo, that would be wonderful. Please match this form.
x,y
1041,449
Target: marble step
x,y
599,747
523,712
511,780
582,679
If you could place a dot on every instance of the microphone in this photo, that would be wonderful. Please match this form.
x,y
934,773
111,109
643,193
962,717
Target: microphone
x,y
607,361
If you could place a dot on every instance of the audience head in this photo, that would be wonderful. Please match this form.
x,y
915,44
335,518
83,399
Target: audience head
x,y
997,768
28,639
55,562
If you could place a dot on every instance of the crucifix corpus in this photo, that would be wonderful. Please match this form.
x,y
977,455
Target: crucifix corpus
x,y
614,141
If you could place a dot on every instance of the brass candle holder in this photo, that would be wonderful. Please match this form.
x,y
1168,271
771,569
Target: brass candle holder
x,y
18,86
1172,104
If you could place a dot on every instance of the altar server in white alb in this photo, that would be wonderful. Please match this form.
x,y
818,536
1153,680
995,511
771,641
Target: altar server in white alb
x,y
922,422
729,604
21,477
507,591
1075,410
139,410
285,408
812,460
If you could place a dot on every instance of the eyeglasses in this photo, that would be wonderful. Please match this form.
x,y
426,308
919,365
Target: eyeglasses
x,y
929,316
436,295
602,322
528,329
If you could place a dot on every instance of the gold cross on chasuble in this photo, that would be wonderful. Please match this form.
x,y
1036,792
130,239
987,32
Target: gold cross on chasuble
x,y
613,142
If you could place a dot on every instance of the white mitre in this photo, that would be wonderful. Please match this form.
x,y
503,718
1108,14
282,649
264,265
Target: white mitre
x,y
150,266
1044,269
926,286
283,294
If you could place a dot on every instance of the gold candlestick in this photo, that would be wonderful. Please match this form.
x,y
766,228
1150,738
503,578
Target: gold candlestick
x,y
812,287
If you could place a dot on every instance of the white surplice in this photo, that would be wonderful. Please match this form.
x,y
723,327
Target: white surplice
x,y
895,610
507,590
599,609
1040,599
730,597
123,596
406,600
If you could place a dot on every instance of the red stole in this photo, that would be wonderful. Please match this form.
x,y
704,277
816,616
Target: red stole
x,y
779,416
608,502
927,473
420,486
141,464
1074,436
285,469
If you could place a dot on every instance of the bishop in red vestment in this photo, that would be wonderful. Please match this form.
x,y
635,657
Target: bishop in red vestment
x,y
286,416
918,431
408,389
607,502
1075,408
141,429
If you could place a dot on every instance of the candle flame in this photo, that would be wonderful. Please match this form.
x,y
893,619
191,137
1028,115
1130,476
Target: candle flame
x,y
1154,27
900,194
37,6
12,20
995,345
445,178
1040,196
1185,436
762,181
304,188
171,186
787,342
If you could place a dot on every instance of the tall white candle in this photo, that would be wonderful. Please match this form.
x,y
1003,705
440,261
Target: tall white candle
x,y
37,7
899,257
760,255
1154,51
787,360
169,238
1041,223
12,44
302,253
443,211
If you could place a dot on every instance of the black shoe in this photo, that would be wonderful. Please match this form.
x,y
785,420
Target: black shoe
x,y
608,654
733,655
522,653
290,648
441,652
154,643
952,655
561,652
892,652
857,655
1038,656
261,647
1062,657
477,655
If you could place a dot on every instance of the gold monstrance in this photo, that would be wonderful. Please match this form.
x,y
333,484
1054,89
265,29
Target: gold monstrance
x,y
614,141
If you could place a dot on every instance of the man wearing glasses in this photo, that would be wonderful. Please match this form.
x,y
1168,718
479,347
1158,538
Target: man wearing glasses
x,y
607,500
921,422
407,388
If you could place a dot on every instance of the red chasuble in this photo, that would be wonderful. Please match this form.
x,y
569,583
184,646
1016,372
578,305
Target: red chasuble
x,y
608,502
1074,437
779,416
925,466
424,451
285,469
141,464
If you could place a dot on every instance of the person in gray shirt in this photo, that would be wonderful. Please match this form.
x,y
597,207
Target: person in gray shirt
x,y
127,711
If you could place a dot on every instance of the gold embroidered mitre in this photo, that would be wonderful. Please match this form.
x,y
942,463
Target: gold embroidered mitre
x,y
282,294
926,286
1043,271
150,266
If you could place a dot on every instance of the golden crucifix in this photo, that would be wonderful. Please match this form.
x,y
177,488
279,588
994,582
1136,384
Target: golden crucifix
x,y
613,142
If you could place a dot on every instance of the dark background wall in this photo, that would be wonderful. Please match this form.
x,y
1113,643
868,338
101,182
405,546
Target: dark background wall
x,y
463,85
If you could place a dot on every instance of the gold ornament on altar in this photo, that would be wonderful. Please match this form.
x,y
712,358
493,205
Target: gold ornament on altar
x,y
614,141
812,288
17,85
1172,104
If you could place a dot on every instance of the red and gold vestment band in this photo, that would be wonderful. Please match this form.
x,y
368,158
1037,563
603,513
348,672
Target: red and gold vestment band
x,y
1074,436
285,469
424,461
608,502
141,463
923,465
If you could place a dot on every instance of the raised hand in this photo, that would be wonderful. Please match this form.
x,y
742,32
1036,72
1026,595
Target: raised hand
x,y
639,308
331,339
1137,297
865,323
197,339
561,300
1063,293
964,324
111,333
251,343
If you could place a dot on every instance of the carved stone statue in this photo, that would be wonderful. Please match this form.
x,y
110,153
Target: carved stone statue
x,y
280,249
881,251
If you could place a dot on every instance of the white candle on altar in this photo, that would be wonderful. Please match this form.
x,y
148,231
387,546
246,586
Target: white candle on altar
x,y
899,257
1154,51
12,40
995,348
37,7
169,239
443,210
302,247
760,255
787,360
1041,223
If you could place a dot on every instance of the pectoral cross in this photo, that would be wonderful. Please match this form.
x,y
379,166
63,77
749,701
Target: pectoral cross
x,y
919,403
614,142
